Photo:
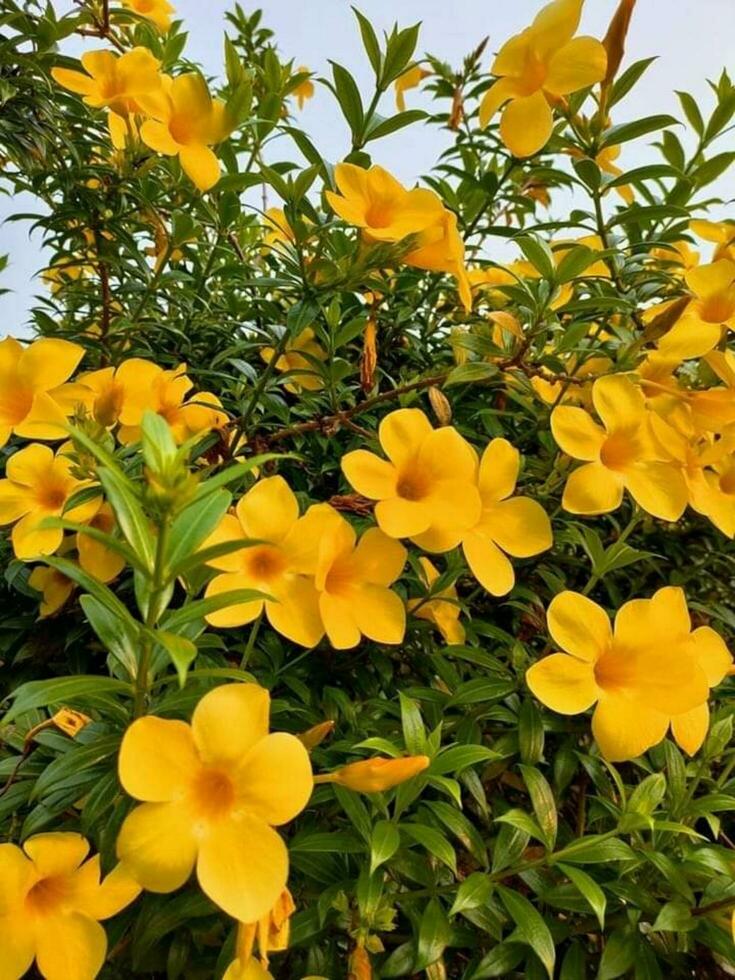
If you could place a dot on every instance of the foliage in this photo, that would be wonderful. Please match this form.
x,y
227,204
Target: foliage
x,y
238,399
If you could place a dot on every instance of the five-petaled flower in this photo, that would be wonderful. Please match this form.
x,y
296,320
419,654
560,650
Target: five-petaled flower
x,y
427,484
541,65
51,903
112,80
648,671
211,794
621,456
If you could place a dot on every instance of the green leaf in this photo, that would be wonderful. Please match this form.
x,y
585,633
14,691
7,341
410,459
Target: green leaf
x,y
414,733
434,842
691,111
628,79
501,961
574,262
637,128
539,254
434,935
530,733
480,690
348,96
648,795
384,842
157,443
180,649
588,887
472,371
544,805
105,596
472,893
369,42
76,760
618,955
595,850
399,51
457,758
192,526
62,690
114,633
133,523
380,127
530,927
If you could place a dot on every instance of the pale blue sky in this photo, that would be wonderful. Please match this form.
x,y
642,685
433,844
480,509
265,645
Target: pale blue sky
x,y
694,39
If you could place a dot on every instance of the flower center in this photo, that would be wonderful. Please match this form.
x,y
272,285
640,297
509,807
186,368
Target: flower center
x,y
618,450
614,670
47,894
379,215
265,563
339,578
181,129
412,486
213,794
51,496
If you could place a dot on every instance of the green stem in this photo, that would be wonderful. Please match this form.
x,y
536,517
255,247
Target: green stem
x,y
157,587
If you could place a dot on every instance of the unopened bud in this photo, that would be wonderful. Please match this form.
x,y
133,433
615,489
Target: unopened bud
x,y
359,967
315,736
614,40
375,775
440,405
369,359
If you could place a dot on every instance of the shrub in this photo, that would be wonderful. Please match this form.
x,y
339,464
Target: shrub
x,y
367,600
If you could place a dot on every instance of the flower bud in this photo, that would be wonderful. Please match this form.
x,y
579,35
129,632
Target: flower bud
x,y
614,40
369,359
440,405
375,775
359,967
315,736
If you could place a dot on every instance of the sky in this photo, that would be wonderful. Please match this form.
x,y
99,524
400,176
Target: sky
x,y
694,40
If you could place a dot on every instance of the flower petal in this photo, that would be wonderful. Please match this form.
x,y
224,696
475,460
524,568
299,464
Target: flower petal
x,y
526,124
576,433
70,945
156,843
296,613
30,541
380,614
488,564
380,559
56,853
269,510
369,475
579,63
229,721
16,876
659,488
274,779
238,614
520,526
339,621
103,900
625,728
579,626
49,362
592,489
498,471
619,403
711,651
690,728
243,867
495,97
400,518
402,433
563,684
157,759
200,164
158,137
17,941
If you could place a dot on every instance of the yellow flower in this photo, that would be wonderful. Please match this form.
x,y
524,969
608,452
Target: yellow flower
x,y
298,359
51,905
186,122
281,565
711,310
277,229
34,399
722,233
411,78
386,211
640,675
353,579
112,80
573,394
159,12
680,255
690,727
212,793
620,456
139,386
508,525
426,485
55,589
94,556
304,90
38,485
376,775
105,397
270,933
442,609
540,65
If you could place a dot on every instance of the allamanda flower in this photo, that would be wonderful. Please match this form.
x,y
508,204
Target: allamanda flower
x,y
112,80
710,312
442,609
186,122
37,486
51,905
278,558
508,525
386,211
427,484
298,359
158,12
212,793
305,89
722,233
353,579
640,675
35,401
411,78
620,456
539,66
